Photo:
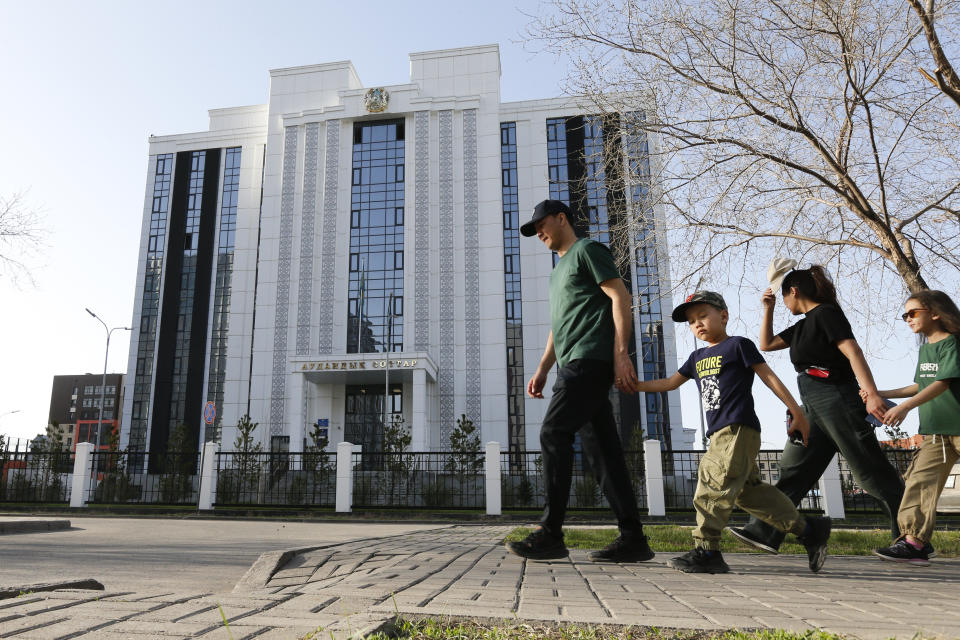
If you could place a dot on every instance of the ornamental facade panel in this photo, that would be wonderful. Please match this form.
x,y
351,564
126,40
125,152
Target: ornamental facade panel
x,y
329,257
281,311
447,276
421,197
307,218
471,256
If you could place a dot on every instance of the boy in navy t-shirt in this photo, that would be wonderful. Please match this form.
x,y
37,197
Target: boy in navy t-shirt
x,y
728,474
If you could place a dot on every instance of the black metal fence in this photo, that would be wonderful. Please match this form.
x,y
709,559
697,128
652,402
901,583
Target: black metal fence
x,y
427,480
418,480
28,476
521,482
276,479
680,477
121,477
855,499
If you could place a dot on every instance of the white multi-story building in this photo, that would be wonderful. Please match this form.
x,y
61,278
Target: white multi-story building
x,y
304,260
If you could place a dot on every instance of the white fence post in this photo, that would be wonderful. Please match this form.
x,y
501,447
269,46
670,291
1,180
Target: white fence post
x,y
831,490
492,465
208,484
653,464
344,477
82,467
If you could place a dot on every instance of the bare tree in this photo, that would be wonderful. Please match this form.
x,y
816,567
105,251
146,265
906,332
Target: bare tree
x,y
798,127
21,234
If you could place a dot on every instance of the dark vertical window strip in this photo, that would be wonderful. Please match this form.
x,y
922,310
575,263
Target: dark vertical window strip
x,y
178,390
648,278
513,299
188,284
204,253
377,213
223,286
150,306
606,217
580,153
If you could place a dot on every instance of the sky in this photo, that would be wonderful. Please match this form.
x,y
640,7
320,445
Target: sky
x,y
85,84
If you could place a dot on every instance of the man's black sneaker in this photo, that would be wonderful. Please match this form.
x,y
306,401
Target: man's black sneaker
x,y
930,551
539,545
700,561
815,541
744,536
903,551
624,549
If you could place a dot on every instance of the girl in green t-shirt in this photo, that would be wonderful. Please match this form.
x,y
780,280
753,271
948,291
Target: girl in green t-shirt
x,y
936,391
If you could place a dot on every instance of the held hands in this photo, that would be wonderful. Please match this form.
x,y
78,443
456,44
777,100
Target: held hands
x,y
800,425
624,375
893,415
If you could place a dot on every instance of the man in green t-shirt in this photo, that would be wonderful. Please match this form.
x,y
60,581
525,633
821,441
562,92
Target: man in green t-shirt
x,y
589,340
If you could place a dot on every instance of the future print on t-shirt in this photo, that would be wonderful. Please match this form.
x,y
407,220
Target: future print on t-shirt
x,y
724,374
707,370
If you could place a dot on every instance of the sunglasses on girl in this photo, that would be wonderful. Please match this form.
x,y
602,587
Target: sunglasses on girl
x,y
909,315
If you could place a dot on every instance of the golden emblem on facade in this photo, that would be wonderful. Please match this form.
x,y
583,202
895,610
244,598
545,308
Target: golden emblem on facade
x,y
376,99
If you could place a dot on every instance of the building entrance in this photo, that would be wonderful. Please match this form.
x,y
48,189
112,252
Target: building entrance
x,y
363,414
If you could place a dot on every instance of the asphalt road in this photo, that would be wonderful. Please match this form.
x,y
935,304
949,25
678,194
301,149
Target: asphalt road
x,y
140,554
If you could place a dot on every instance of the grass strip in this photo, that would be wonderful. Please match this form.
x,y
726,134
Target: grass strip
x,y
453,629
669,538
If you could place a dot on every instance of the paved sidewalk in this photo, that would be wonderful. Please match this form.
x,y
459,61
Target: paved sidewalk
x,y
464,571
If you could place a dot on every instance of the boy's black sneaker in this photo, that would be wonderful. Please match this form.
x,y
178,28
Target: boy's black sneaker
x,y
625,549
815,541
540,545
903,551
700,561
929,550
744,536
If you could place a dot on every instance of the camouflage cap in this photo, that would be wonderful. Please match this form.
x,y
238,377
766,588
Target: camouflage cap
x,y
698,297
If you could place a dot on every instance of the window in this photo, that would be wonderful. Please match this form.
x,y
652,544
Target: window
x,y
376,237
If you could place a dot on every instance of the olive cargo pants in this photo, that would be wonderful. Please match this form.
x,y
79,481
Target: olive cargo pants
x,y
728,476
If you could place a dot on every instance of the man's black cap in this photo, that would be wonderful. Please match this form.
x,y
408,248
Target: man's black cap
x,y
541,211
705,297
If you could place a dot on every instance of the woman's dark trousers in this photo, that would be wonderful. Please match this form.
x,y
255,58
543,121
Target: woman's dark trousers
x,y
837,419
581,402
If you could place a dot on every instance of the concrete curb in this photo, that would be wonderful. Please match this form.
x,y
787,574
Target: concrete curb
x,y
32,526
259,574
86,583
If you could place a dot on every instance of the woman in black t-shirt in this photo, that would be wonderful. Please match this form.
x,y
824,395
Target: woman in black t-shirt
x,y
831,371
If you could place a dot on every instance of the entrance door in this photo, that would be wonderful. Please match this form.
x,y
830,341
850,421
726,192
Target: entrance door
x,y
363,419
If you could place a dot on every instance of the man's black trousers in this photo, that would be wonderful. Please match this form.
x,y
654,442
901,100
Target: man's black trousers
x,y
581,402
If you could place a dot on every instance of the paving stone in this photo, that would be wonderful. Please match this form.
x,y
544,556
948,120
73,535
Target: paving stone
x,y
139,627
105,634
26,623
464,571
234,632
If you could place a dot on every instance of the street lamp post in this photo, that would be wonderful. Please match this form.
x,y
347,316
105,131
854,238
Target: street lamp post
x,y
103,383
